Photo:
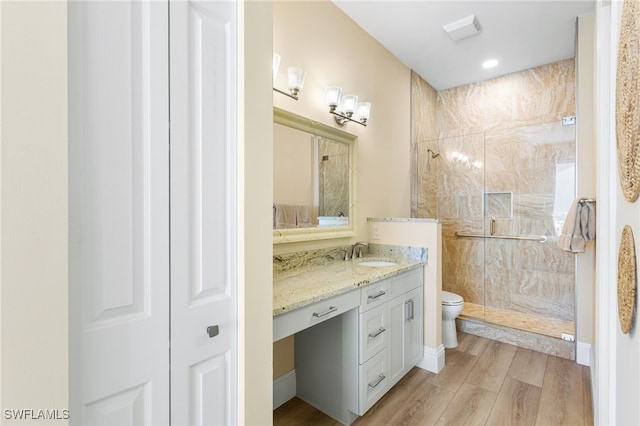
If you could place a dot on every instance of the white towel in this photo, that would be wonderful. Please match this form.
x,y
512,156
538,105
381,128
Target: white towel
x,y
579,227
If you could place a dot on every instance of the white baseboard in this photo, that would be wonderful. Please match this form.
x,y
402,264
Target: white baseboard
x,y
284,388
583,354
433,359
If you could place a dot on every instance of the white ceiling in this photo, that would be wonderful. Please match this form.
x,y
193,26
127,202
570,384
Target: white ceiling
x,y
520,34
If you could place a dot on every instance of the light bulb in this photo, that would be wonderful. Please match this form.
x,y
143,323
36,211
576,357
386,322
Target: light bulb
x,y
363,110
332,95
296,79
349,103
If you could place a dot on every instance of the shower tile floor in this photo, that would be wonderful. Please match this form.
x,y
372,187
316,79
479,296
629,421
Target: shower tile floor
x,y
518,320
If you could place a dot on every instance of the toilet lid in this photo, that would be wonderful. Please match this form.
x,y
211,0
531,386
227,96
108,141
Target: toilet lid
x,y
451,298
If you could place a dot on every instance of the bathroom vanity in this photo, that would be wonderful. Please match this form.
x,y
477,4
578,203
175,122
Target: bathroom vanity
x,y
358,329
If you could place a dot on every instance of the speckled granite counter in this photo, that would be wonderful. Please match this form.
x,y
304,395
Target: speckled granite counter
x,y
304,278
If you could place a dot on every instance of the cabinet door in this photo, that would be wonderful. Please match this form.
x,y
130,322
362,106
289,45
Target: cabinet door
x,y
405,333
413,328
396,309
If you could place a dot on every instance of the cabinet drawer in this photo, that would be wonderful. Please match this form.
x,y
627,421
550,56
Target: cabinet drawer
x,y
406,281
308,316
375,295
373,381
374,332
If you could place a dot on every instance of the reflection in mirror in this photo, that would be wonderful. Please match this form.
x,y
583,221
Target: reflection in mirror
x,y
313,179
333,180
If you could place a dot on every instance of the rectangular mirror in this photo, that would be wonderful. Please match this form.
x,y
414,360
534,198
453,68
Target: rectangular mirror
x,y
314,179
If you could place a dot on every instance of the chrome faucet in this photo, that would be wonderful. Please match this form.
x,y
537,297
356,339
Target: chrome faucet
x,y
357,248
346,253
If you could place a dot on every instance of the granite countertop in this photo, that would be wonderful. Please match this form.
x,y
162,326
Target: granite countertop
x,y
307,284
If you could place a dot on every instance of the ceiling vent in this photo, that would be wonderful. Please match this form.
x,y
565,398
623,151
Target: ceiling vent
x,y
463,28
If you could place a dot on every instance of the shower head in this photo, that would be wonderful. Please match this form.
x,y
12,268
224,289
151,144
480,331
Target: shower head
x,y
433,153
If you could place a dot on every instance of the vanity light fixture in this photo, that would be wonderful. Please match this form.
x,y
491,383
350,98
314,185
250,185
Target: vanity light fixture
x,y
346,108
295,78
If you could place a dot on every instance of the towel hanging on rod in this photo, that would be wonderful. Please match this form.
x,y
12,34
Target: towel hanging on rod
x,y
580,225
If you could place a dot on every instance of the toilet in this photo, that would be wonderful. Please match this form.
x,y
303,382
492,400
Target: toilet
x,y
452,306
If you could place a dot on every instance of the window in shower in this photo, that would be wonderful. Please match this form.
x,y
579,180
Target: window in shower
x,y
564,193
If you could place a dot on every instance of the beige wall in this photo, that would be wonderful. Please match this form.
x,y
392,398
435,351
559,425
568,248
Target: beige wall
x,y
419,234
586,179
292,167
319,37
33,207
255,198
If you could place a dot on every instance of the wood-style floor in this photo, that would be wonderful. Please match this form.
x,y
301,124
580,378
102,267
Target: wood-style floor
x,y
484,382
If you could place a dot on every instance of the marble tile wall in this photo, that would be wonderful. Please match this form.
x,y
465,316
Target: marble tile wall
x,y
424,135
501,146
334,178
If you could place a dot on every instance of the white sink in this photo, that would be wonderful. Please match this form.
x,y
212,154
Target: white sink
x,y
377,263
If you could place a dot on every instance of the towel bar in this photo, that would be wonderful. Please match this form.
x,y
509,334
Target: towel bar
x,y
539,238
586,200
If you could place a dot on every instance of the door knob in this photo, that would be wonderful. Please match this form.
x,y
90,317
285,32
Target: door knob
x,y
213,330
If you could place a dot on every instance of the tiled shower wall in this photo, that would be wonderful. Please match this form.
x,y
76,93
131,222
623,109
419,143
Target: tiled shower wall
x,y
333,178
516,150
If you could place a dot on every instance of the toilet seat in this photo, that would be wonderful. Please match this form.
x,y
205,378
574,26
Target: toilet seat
x,y
451,299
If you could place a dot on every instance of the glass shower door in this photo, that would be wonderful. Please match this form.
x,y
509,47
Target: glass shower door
x,y
529,187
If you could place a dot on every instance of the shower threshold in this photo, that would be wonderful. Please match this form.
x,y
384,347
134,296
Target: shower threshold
x,y
517,320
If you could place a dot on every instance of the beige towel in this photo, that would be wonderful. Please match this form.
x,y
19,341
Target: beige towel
x,y
588,220
284,216
579,227
303,216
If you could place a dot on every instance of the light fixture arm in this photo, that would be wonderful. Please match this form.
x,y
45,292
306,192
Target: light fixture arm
x,y
342,118
292,95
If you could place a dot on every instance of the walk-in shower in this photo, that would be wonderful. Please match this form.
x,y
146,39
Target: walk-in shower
x,y
502,197
501,186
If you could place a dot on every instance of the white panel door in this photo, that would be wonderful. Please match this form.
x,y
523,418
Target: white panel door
x,y
203,212
119,217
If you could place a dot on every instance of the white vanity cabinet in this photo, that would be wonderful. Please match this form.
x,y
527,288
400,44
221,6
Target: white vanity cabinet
x,y
345,364
390,334
405,318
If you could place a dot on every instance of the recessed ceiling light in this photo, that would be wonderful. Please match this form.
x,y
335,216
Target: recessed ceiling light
x,y
491,63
